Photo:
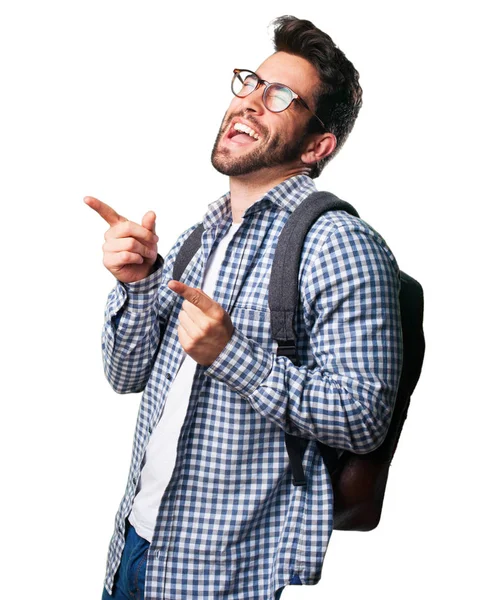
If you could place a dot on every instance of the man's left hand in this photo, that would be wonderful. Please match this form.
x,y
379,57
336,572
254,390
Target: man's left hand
x,y
205,327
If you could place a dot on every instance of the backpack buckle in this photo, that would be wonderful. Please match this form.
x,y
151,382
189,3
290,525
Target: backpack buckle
x,y
287,348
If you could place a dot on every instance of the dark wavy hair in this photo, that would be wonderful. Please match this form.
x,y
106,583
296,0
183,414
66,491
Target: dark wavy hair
x,y
339,98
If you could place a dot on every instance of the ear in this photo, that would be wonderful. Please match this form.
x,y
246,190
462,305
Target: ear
x,y
319,146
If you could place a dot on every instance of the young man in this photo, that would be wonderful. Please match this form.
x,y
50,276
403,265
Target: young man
x,y
209,509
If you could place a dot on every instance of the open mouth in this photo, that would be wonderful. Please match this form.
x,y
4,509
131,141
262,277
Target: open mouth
x,y
242,134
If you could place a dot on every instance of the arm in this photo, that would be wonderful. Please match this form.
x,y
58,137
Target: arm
x,y
351,313
137,308
135,320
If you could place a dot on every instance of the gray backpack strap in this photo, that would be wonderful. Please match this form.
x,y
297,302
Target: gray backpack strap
x,y
283,292
187,251
283,295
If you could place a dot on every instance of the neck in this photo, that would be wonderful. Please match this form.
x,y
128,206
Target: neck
x,y
245,190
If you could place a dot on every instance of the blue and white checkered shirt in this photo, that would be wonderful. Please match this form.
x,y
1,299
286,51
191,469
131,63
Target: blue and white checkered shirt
x,y
231,524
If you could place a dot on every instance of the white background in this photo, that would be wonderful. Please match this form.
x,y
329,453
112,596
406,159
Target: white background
x,y
122,100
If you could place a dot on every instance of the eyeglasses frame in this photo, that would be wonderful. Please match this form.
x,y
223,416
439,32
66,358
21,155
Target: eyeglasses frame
x,y
267,85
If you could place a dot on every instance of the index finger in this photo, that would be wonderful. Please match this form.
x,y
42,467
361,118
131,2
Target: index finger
x,y
195,296
104,210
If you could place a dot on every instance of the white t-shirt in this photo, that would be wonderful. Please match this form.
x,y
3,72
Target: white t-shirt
x,y
161,450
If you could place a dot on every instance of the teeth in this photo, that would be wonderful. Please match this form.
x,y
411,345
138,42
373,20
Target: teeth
x,y
245,129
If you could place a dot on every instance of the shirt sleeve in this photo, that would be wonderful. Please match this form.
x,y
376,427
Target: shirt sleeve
x,y
350,303
131,333
134,322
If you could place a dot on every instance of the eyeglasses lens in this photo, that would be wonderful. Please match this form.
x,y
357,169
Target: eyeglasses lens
x,y
276,97
244,83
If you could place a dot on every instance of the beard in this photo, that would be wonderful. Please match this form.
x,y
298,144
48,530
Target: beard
x,y
279,150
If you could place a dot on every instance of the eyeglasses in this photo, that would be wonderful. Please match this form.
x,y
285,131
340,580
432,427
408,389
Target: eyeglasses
x,y
276,97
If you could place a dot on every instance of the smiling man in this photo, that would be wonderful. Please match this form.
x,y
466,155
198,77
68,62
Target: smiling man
x,y
246,143
262,143
209,509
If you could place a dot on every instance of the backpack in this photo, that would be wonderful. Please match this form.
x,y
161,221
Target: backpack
x,y
358,480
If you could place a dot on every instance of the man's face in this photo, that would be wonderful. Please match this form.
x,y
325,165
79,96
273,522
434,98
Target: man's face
x,y
277,139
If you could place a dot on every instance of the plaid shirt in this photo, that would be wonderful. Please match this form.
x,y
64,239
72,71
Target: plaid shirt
x,y
230,523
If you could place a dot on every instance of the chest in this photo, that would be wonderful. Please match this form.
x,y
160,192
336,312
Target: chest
x,y
244,263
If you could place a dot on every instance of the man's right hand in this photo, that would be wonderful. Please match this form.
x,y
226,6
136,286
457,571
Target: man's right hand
x,y
130,250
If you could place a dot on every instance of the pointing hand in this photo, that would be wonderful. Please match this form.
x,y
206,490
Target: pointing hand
x,y
205,328
130,250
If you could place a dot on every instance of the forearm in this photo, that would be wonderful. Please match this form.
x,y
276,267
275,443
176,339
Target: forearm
x,y
131,333
352,413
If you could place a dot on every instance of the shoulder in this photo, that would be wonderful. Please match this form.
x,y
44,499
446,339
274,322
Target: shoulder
x,y
338,228
343,245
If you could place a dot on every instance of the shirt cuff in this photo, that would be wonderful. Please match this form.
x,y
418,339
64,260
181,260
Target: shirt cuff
x,y
140,293
243,365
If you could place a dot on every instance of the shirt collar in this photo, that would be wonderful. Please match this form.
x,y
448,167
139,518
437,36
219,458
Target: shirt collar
x,y
286,195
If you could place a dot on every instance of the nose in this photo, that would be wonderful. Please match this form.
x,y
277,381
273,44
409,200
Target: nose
x,y
254,101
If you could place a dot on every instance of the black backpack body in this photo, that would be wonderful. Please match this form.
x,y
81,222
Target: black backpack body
x,y
358,480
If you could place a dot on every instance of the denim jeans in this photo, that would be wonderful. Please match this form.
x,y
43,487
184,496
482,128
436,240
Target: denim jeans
x,y
129,579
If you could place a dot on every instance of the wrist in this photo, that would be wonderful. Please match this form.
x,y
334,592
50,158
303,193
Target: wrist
x,y
158,263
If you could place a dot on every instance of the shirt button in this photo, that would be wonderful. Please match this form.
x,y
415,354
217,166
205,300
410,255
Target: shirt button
x,y
169,377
